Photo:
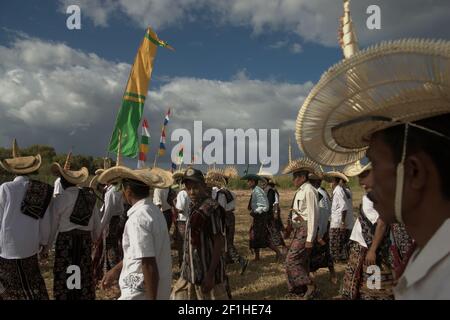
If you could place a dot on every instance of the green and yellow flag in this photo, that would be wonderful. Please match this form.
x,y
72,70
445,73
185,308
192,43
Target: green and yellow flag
x,y
130,113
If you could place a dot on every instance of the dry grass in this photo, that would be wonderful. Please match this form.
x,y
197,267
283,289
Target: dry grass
x,y
263,280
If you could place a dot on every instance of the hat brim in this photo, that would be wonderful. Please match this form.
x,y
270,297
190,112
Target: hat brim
x,y
74,177
383,86
154,178
22,165
302,164
334,174
251,177
356,169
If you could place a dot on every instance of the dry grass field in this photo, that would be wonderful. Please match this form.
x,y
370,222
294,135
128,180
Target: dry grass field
x,y
263,280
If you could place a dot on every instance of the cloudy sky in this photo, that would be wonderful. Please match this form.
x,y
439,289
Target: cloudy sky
x,y
238,63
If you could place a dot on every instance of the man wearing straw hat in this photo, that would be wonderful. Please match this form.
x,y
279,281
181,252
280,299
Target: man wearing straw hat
x,y
182,203
24,229
303,219
217,180
259,209
320,254
392,102
145,273
275,234
203,269
75,226
369,245
341,216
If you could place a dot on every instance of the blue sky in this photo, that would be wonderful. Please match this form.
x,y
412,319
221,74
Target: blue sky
x,y
238,63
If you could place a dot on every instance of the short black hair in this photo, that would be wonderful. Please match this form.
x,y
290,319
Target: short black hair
x,y
435,146
301,173
140,190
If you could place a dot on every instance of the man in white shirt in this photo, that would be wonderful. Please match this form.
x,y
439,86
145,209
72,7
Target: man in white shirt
x,y
425,205
338,222
24,229
320,255
160,197
303,219
75,227
369,245
182,207
227,200
112,225
145,272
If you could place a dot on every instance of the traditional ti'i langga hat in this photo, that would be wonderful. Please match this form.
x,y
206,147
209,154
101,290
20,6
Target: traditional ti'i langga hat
x,y
74,177
355,169
335,174
21,165
215,178
392,83
302,164
94,181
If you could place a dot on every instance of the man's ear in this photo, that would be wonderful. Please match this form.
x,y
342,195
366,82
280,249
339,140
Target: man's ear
x,y
416,171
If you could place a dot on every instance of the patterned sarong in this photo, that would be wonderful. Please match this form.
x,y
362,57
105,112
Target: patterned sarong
x,y
73,248
21,279
339,244
259,232
297,261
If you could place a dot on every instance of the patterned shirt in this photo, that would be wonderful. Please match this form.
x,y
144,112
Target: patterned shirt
x,y
204,222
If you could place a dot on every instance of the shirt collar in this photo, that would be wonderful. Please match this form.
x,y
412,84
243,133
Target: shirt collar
x,y
434,251
21,179
136,206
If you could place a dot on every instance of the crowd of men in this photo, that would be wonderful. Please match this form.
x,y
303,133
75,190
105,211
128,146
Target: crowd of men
x,y
116,233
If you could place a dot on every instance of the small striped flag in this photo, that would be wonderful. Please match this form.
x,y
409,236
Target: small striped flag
x,y
143,148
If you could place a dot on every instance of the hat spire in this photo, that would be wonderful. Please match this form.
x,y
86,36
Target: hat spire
x,y
289,151
347,34
68,159
15,149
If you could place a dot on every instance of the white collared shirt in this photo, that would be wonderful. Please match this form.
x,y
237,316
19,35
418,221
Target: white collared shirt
x,y
57,187
160,198
306,206
62,209
145,236
222,199
427,275
324,212
183,202
20,235
371,214
113,206
338,205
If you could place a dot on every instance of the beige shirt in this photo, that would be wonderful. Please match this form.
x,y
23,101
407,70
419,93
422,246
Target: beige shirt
x,y
427,275
306,206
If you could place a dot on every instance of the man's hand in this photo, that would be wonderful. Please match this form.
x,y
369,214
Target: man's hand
x,y
321,242
371,258
111,277
342,226
207,283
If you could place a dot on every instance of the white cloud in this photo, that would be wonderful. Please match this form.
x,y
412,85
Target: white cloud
x,y
312,20
296,48
53,94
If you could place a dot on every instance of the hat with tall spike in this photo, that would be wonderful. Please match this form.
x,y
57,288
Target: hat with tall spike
x,y
74,177
21,165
